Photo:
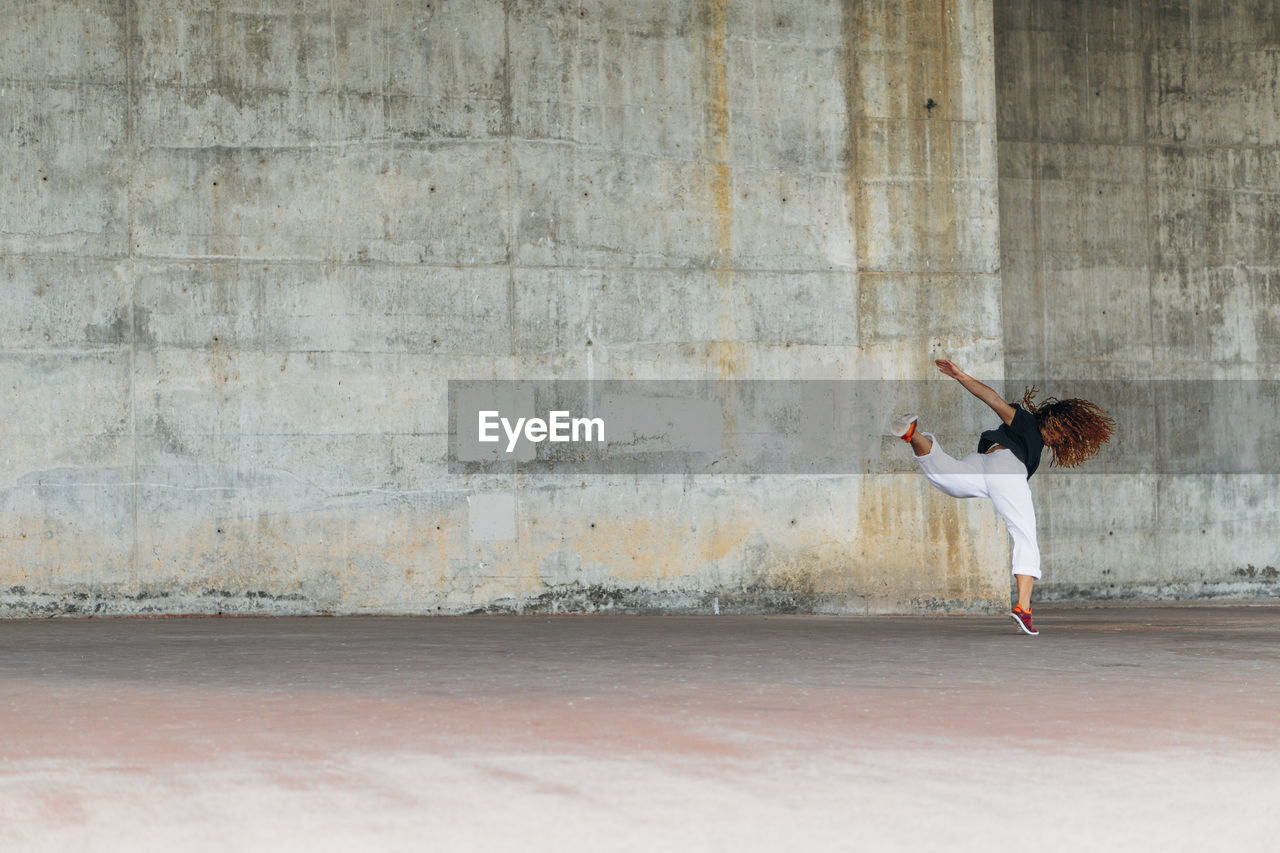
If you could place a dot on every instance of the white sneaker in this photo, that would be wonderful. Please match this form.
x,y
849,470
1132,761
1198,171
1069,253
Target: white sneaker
x,y
904,427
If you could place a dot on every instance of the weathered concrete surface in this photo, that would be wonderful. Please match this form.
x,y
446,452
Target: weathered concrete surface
x,y
1135,728
245,246
1139,180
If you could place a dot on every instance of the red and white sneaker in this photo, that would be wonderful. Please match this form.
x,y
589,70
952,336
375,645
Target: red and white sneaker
x,y
904,427
1023,618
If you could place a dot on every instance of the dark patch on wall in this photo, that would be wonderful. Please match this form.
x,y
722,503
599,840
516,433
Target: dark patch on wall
x,y
759,598
119,330
169,439
1175,591
23,602
1250,571
934,604
575,597
752,598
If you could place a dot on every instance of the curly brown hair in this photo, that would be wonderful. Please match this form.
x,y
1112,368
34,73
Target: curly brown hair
x,y
1073,429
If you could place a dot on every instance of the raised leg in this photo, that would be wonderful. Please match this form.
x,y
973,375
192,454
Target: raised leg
x,y
921,443
960,478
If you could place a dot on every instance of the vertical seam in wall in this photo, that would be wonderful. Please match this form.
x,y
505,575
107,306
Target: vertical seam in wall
x,y
851,146
1150,57
332,240
1036,177
1035,170
508,130
130,138
1088,102
720,154
955,29
945,23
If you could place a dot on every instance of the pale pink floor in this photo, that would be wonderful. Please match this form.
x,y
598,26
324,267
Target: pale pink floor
x,y
1116,728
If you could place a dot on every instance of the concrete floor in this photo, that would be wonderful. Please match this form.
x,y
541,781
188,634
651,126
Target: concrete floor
x,y
1116,728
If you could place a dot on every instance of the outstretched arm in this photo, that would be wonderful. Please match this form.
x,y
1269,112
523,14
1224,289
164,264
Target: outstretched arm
x,y
983,392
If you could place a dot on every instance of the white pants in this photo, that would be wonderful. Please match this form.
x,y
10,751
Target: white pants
x,y
1000,476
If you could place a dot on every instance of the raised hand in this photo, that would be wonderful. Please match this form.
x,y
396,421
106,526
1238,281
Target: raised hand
x,y
949,368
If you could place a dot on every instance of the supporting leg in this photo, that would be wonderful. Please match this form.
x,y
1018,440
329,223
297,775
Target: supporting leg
x,y
1012,499
1025,583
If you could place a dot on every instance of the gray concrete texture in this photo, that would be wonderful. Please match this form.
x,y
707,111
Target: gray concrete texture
x,y
1139,147
1116,729
245,246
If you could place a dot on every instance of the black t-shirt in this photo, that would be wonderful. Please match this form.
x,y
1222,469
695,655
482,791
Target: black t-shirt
x,y
1021,435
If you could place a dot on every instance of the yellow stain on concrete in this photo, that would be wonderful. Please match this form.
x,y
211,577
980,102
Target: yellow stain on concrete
x,y
725,355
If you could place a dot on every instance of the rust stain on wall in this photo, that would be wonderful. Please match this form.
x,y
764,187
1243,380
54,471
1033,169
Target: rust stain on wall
x,y
725,355
904,527
899,158
940,197
957,546
851,112
722,538
639,549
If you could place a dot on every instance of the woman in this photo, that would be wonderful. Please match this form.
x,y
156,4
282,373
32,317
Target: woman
x,y
1073,430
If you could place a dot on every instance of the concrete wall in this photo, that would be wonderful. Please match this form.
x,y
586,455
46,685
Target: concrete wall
x,y
246,245
1139,190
